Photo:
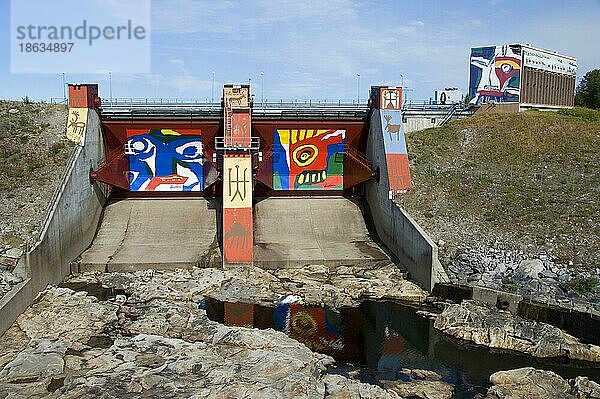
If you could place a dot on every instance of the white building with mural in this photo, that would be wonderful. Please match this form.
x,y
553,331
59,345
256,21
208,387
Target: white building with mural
x,y
522,75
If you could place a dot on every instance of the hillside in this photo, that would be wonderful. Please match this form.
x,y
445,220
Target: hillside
x,y
526,182
33,152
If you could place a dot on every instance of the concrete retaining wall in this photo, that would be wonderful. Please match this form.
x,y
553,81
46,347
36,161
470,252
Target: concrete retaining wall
x,y
395,228
68,229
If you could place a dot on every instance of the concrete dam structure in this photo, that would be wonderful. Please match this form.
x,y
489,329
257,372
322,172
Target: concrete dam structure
x,y
234,184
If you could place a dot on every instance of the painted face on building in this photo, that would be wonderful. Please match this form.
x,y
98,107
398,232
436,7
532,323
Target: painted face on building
x,y
308,159
165,160
495,74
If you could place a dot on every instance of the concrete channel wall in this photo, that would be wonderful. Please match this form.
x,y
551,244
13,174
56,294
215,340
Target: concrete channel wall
x,y
68,228
395,228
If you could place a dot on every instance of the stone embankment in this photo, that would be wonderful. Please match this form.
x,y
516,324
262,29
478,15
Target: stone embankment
x,y
540,278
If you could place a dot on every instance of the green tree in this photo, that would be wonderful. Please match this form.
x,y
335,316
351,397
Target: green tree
x,y
588,90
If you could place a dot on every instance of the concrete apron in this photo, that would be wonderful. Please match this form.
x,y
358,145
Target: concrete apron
x,y
137,234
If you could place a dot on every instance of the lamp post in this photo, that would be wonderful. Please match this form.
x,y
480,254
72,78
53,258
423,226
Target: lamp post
x,y
110,86
262,87
357,88
212,88
401,80
64,88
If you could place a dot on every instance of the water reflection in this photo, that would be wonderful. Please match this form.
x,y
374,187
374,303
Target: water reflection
x,y
386,339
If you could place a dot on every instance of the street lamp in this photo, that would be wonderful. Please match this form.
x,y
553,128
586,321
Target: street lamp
x,y
262,87
357,88
402,80
212,89
110,86
64,88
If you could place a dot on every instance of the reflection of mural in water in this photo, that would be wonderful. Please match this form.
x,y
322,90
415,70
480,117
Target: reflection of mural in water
x,y
165,160
308,159
389,338
319,328
495,74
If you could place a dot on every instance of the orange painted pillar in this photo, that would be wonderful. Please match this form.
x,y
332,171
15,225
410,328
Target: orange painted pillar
x,y
389,102
237,178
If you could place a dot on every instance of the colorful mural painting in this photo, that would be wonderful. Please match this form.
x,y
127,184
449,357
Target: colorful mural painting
x,y
165,160
495,74
396,154
308,159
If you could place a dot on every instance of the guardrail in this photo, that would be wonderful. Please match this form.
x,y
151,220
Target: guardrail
x,y
243,143
194,108
162,101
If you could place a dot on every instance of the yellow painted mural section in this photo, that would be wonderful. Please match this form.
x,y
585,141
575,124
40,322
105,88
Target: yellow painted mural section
x,y
237,188
76,125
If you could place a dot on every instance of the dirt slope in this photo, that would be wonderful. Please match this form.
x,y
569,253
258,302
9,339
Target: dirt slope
x,y
528,182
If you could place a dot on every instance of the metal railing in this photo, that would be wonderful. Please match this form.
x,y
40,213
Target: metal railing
x,y
242,143
449,115
134,101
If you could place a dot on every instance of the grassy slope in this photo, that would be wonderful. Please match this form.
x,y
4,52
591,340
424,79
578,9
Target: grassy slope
x,y
33,152
527,181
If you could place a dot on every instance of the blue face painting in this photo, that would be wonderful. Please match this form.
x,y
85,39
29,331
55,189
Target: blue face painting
x,y
165,160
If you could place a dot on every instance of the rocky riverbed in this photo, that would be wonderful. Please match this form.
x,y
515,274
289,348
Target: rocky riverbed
x,y
145,335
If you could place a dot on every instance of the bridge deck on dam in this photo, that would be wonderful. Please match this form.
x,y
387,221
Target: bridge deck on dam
x,y
293,232
138,234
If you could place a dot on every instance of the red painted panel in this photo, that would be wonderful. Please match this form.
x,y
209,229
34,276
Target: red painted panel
x,y
237,235
390,98
114,171
115,132
398,171
240,129
83,96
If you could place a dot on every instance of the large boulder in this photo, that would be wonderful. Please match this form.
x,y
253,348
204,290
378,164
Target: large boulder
x,y
528,383
485,325
530,268
339,387
422,389
583,388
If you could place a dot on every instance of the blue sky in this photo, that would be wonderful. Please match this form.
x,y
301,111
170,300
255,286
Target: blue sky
x,y
315,49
